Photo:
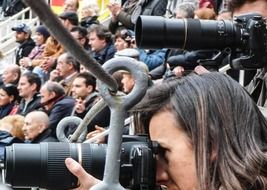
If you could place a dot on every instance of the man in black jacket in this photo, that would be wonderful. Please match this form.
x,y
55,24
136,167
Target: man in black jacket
x,y
55,103
26,43
29,86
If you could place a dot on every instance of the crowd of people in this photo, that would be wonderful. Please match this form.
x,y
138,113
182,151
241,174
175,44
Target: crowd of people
x,y
210,132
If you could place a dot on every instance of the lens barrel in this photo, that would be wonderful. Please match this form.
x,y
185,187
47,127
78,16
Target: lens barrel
x,y
43,165
155,32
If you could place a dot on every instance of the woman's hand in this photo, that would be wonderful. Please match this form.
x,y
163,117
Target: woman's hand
x,y
86,181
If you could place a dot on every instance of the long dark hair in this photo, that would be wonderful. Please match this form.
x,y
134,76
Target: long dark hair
x,y
225,127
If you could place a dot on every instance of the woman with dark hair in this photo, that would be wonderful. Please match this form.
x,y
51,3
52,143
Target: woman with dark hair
x,y
123,39
8,100
212,135
33,59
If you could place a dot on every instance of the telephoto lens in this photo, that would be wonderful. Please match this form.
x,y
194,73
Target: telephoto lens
x,y
155,32
43,165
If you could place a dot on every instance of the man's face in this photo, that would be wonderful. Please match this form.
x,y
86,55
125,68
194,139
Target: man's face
x,y
63,67
79,88
45,94
21,37
96,43
77,37
70,5
31,128
9,76
128,82
26,89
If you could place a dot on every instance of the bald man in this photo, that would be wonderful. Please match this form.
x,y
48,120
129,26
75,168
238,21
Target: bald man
x,y
11,74
36,128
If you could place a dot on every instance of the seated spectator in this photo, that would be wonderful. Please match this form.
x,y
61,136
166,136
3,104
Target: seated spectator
x,y
11,74
80,34
127,82
67,69
36,128
123,39
71,5
28,87
26,43
55,103
47,61
41,35
69,19
89,14
8,100
84,91
10,132
100,40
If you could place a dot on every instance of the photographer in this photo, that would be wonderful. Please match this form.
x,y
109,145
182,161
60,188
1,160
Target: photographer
x,y
215,137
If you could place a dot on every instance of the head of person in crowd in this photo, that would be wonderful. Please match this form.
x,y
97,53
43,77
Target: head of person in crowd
x,y
51,92
123,39
127,81
29,85
69,19
89,14
35,123
118,78
71,5
8,94
215,136
11,74
13,124
80,34
9,98
99,37
185,10
205,13
83,85
67,65
23,32
41,35
239,7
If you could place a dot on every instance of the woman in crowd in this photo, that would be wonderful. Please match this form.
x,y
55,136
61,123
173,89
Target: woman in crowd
x,y
8,100
123,39
41,35
212,135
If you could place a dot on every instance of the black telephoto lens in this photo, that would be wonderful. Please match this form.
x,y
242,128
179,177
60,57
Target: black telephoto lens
x,y
43,165
155,32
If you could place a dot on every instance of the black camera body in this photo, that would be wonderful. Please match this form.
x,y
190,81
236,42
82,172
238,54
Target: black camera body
x,y
243,40
42,165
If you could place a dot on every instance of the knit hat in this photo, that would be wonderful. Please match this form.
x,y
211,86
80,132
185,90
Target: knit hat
x,y
42,30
